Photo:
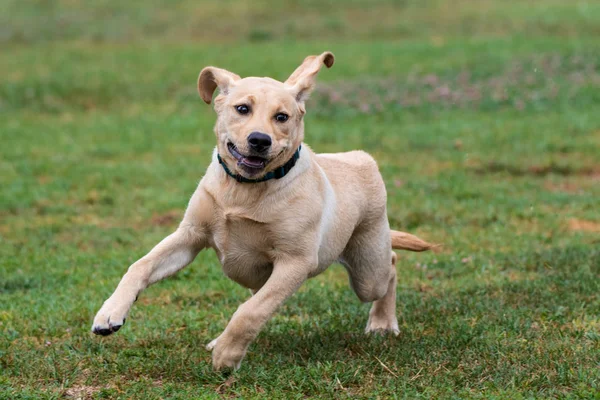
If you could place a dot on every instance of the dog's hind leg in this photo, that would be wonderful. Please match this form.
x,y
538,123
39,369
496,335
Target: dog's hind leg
x,y
371,266
382,317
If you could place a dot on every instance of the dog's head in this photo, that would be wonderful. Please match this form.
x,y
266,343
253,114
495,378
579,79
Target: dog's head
x,y
260,120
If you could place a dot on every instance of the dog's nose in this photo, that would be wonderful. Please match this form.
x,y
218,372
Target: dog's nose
x,y
259,141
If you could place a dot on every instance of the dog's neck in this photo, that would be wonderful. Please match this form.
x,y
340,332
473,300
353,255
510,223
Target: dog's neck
x,y
277,173
257,201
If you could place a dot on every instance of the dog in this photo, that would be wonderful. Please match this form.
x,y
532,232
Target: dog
x,y
275,213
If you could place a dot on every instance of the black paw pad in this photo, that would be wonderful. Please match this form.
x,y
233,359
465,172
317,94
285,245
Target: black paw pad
x,y
102,331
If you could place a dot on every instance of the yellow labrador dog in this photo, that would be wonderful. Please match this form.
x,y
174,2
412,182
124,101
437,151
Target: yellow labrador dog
x,y
275,213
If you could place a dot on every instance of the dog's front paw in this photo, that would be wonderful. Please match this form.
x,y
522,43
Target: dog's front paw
x,y
109,319
226,356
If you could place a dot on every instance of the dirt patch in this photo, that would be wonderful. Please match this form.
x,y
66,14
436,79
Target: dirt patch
x,y
563,187
535,170
582,225
82,392
166,219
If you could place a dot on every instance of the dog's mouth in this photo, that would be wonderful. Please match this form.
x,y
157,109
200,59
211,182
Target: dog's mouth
x,y
251,164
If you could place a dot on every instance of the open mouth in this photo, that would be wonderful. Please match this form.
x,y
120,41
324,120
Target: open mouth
x,y
251,164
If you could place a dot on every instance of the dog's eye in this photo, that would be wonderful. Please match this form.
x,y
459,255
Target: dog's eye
x,y
281,117
242,109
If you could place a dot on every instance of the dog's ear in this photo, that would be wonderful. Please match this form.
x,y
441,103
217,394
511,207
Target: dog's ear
x,y
210,78
302,81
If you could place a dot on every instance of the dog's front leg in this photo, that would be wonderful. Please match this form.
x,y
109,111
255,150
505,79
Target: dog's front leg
x,y
230,347
169,256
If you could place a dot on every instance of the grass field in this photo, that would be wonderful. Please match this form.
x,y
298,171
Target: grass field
x,y
484,117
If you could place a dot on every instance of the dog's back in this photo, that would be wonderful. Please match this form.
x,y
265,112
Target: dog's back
x,y
355,178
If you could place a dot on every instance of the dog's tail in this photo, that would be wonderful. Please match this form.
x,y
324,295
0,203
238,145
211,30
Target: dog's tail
x,y
406,241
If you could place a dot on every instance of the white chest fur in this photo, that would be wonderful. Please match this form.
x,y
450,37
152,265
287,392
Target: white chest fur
x,y
243,247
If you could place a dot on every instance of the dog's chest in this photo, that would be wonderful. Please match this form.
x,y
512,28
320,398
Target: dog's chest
x,y
243,246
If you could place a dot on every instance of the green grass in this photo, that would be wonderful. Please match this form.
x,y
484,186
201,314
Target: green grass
x,y
483,117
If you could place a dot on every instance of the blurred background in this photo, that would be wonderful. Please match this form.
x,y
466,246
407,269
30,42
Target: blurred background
x,y
484,118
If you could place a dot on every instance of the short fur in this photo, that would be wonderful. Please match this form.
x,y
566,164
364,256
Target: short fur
x,y
272,236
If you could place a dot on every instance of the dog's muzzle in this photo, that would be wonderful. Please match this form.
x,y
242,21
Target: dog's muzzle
x,y
251,163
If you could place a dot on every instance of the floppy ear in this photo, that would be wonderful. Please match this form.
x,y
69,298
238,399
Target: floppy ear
x,y
210,78
302,81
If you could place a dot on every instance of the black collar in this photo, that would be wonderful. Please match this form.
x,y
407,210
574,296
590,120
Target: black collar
x,y
275,174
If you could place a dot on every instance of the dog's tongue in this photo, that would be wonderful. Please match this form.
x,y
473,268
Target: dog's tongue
x,y
254,162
